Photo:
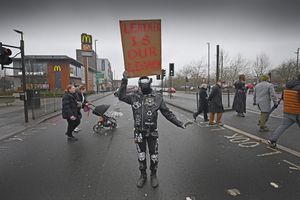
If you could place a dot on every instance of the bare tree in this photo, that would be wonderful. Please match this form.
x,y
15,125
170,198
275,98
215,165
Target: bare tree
x,y
287,70
261,65
194,72
235,67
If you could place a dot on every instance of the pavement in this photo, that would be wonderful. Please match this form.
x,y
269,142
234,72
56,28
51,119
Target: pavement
x,y
12,118
227,99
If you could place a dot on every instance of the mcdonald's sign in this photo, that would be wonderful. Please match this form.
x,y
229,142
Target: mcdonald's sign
x,y
57,68
86,39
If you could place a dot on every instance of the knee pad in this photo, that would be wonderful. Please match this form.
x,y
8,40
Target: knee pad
x,y
154,157
142,156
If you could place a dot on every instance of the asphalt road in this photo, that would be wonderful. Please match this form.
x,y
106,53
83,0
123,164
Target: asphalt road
x,y
199,162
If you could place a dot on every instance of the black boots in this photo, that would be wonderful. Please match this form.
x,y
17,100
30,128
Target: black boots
x,y
142,180
154,180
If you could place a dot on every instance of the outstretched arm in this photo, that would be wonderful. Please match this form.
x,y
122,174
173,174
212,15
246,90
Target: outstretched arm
x,y
169,115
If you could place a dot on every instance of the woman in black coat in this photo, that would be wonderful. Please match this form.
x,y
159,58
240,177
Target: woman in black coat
x,y
70,111
215,104
239,101
203,103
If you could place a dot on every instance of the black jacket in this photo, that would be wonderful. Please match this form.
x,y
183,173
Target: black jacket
x,y
69,106
215,100
203,100
145,107
80,98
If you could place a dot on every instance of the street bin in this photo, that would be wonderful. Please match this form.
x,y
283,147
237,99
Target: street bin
x,y
33,98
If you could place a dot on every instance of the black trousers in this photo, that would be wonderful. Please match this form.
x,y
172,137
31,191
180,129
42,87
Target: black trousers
x,y
204,111
72,124
141,140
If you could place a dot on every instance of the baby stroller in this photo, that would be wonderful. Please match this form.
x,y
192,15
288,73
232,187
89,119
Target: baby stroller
x,y
105,122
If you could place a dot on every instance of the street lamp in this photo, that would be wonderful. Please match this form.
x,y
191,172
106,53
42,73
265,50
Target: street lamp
x,y
97,81
208,63
297,69
23,74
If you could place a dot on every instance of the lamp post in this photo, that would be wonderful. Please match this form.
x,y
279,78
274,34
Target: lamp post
x,y
97,81
23,74
297,66
208,67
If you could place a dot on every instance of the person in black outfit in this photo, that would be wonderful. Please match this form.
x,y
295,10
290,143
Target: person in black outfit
x,y
239,101
71,111
203,103
145,104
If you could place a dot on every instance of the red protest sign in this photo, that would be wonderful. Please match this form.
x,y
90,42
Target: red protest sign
x,y
141,41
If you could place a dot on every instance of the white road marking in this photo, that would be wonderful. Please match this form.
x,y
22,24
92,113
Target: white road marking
x,y
233,192
274,185
295,167
274,151
261,140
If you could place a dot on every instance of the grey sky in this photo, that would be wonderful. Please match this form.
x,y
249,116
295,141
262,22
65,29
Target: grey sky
x,y
249,27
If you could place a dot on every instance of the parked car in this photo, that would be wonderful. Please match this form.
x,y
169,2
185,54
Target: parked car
x,y
171,90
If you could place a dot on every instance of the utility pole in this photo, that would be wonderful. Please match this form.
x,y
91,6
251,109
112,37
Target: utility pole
x,y
97,81
208,67
218,65
222,64
297,69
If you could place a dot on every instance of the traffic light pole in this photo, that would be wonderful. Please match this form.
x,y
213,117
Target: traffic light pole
x,y
23,71
24,78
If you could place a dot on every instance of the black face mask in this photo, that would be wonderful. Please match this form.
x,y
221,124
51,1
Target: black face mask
x,y
145,87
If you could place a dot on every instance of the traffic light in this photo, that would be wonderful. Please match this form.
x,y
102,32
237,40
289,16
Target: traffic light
x,y
171,69
163,73
4,56
157,77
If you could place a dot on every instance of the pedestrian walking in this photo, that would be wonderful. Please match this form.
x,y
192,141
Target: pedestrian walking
x,y
81,96
239,101
203,103
215,105
70,106
263,94
291,109
145,103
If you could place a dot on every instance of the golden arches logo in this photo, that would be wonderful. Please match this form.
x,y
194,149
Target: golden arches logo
x,y
86,39
57,68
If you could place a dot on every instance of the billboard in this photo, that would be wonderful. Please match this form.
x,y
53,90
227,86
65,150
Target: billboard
x,y
141,42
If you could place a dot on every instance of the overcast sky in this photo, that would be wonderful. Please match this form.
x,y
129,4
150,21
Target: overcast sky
x,y
248,27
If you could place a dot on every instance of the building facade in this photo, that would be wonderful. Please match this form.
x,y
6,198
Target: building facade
x,y
105,78
48,72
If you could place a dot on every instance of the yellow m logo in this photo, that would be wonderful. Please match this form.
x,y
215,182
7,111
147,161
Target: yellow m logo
x,y
57,68
86,39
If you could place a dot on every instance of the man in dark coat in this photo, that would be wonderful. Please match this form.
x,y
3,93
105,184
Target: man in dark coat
x,y
203,103
239,102
145,104
71,111
215,104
